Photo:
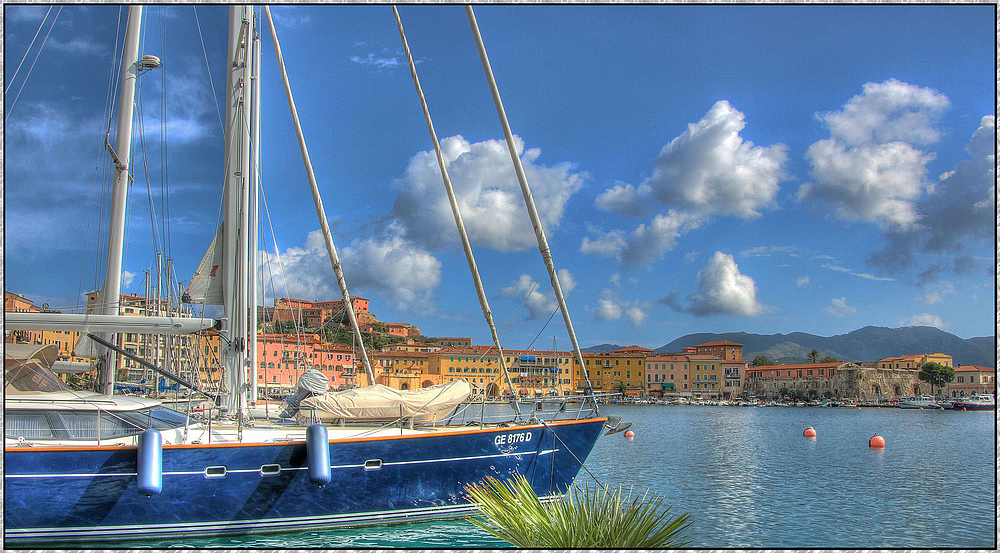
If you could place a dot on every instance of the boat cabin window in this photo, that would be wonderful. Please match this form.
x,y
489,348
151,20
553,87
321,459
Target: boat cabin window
x,y
82,424
27,425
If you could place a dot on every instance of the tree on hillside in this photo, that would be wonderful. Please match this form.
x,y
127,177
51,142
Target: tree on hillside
x,y
813,356
829,359
936,374
761,360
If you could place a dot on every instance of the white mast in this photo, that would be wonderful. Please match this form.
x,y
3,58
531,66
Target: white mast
x,y
529,202
111,291
254,207
235,246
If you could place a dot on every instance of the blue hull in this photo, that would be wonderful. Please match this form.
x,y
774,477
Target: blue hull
x,y
80,494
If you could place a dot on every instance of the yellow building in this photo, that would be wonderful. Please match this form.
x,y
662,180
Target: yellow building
x,y
914,361
543,372
402,370
479,365
620,371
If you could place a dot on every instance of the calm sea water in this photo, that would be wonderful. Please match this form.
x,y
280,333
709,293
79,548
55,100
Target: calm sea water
x,y
750,480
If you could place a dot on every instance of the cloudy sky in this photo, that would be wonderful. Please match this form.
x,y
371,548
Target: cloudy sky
x,y
697,168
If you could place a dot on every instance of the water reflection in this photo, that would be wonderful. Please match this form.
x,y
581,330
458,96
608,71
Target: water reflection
x,y
750,479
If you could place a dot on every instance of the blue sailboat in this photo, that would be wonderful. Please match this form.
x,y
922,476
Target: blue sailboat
x,y
93,466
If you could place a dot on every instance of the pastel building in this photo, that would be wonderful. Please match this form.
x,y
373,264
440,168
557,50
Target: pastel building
x,y
706,376
722,349
403,370
667,375
972,379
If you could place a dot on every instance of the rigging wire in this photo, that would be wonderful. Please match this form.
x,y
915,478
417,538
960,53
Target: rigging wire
x,y
164,144
157,251
209,69
25,56
103,162
28,74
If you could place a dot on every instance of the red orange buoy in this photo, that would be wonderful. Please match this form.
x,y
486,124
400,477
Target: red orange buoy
x,y
877,442
629,434
810,432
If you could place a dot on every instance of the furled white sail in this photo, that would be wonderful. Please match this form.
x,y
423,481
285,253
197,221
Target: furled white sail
x,y
382,402
206,284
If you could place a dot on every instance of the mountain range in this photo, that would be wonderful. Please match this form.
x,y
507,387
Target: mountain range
x,y
870,343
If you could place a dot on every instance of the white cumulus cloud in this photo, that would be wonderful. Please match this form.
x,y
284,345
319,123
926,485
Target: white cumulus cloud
x,y
647,243
923,319
540,304
722,289
488,194
709,169
838,307
607,310
871,169
875,183
610,308
960,208
802,282
636,315
398,270
888,112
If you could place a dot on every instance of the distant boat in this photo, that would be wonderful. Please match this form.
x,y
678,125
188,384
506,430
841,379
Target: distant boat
x,y
919,402
976,402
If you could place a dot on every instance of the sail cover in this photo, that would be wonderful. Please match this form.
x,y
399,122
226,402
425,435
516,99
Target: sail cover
x,y
382,402
206,284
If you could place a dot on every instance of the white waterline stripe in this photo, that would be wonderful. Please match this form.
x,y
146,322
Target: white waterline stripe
x,y
234,471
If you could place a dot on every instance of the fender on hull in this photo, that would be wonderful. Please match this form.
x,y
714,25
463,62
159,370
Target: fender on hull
x,y
88,494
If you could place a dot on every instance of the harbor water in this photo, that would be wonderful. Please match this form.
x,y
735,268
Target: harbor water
x,y
749,479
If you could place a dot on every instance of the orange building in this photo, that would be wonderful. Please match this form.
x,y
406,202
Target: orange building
x,y
14,303
722,349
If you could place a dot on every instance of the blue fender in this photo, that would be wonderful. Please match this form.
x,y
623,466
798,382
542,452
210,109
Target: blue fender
x,y
318,455
149,465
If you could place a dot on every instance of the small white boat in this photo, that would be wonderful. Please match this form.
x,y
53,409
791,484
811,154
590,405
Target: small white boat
x,y
918,402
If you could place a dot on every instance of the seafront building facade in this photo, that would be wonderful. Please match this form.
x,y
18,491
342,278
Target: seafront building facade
x,y
972,379
708,371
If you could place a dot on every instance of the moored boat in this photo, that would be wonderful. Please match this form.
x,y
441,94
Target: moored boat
x,y
976,402
918,402
85,466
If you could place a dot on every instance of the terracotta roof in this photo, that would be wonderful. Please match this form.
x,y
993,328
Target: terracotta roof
x,y
667,357
630,349
976,368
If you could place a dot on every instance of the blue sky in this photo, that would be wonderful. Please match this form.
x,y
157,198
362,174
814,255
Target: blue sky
x,y
698,168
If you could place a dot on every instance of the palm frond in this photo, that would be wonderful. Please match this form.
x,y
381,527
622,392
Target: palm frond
x,y
596,517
